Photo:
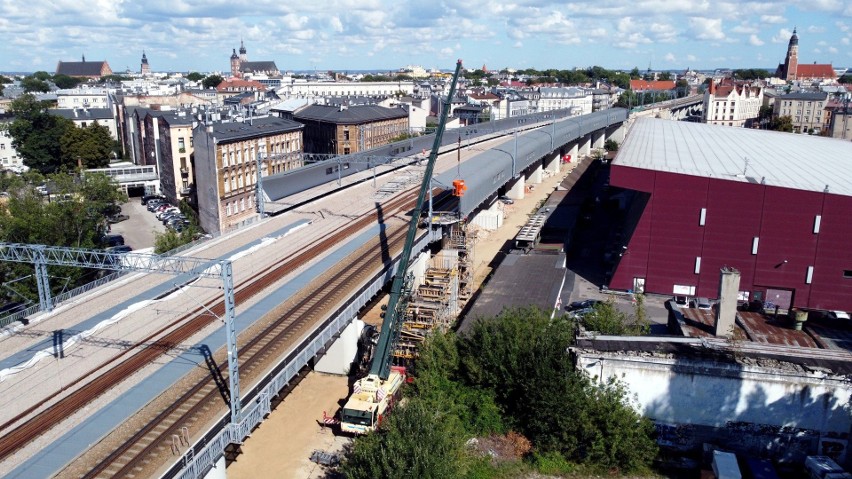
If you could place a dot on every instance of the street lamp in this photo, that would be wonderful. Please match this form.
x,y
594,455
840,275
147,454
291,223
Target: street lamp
x,y
511,156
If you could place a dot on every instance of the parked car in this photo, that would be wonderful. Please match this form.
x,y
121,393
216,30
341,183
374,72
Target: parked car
x,y
837,315
584,304
117,218
113,240
506,200
700,303
681,301
119,249
154,204
579,313
166,212
175,216
147,198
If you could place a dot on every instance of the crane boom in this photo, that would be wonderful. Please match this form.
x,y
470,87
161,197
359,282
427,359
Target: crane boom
x,y
391,324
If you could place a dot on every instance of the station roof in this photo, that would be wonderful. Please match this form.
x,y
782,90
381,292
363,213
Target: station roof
x,y
259,127
786,160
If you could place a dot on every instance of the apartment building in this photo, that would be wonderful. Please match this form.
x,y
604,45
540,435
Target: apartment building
x,y
225,166
342,129
732,103
806,109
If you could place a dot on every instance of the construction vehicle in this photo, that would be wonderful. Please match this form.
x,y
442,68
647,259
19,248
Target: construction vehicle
x,y
373,396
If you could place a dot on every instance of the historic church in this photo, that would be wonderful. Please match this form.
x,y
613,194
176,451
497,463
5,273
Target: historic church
x,y
792,70
240,65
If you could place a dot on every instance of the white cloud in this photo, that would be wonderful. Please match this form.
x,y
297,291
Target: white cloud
x,y
783,36
670,57
844,40
753,40
707,28
691,58
744,27
774,19
832,50
816,29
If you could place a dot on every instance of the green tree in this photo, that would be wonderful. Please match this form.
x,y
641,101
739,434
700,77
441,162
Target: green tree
x,y
32,84
611,145
416,441
782,123
64,81
606,319
212,81
91,145
635,74
845,79
171,239
682,88
114,78
36,135
71,216
665,76
194,76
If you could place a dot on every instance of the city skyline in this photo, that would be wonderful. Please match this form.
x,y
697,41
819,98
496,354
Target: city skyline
x,y
189,35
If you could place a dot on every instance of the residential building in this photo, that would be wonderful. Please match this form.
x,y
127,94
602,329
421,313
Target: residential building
x,y
732,103
841,123
296,88
559,98
9,159
241,67
84,98
792,70
83,117
174,136
342,129
806,109
226,157
84,69
775,206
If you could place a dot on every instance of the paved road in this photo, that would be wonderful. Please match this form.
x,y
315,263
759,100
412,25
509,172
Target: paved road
x,y
140,228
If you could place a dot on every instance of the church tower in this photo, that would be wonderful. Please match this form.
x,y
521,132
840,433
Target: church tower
x,y
791,63
145,69
235,64
243,56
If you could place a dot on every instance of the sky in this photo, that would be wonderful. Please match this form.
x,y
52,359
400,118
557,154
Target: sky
x,y
341,35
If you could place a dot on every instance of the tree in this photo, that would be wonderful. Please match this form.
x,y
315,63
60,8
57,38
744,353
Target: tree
x,y
72,216
212,81
194,76
36,135
606,319
416,441
782,123
634,74
91,145
32,84
847,78
682,87
611,145
64,81
665,76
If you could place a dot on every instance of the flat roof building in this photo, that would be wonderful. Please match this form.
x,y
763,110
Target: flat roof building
x,y
773,205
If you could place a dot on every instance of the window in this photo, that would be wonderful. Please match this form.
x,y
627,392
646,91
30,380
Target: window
x,y
228,208
817,222
697,265
242,204
181,145
754,244
847,273
809,276
345,135
227,185
702,217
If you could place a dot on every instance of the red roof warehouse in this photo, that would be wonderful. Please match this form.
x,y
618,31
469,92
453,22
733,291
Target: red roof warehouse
x,y
776,206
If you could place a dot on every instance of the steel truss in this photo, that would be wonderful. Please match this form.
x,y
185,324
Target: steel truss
x,y
42,256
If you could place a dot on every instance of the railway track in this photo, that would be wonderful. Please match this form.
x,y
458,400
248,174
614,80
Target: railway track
x,y
256,355
21,430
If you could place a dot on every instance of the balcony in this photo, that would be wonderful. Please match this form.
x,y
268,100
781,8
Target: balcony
x,y
184,191
184,172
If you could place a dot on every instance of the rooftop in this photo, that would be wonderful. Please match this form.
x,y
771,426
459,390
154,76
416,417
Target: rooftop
x,y
258,127
352,114
773,158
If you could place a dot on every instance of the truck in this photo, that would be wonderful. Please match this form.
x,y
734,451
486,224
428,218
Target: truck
x,y
374,395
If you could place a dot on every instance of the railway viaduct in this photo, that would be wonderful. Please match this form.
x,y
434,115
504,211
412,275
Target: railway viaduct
x,y
131,379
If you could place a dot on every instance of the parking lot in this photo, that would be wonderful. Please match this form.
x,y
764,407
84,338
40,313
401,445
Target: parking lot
x,y
140,228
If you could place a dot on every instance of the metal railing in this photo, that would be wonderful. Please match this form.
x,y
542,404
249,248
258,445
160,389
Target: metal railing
x,y
18,316
195,462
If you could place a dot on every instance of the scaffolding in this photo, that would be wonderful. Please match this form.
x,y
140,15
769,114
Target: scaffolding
x,y
436,302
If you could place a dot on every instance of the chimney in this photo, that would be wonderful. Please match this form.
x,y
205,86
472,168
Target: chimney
x,y
726,309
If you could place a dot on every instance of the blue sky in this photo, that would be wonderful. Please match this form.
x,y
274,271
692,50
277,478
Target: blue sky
x,y
184,35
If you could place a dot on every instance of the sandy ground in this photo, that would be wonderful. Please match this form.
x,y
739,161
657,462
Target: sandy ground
x,y
282,445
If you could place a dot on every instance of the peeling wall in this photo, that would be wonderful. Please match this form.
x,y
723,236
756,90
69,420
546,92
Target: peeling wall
x,y
782,413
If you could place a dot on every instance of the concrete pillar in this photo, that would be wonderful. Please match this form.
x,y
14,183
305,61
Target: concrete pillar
x,y
574,152
598,138
586,145
535,175
553,163
726,310
515,188
342,351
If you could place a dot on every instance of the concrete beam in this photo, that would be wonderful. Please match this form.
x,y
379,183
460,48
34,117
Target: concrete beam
x,y
585,145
